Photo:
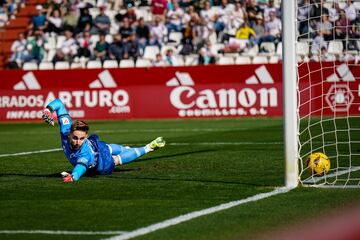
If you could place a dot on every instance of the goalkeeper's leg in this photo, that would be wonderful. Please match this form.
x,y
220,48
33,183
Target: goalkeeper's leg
x,y
124,155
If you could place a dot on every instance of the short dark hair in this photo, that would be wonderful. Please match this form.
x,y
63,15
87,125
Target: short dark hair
x,y
79,125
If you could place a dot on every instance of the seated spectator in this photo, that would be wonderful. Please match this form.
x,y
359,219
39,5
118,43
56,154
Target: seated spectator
x,y
174,18
207,54
169,57
159,9
3,17
36,46
101,22
117,48
85,44
246,32
142,33
201,33
132,47
158,32
68,48
101,49
354,35
187,40
85,20
71,18
38,21
19,51
326,27
272,29
125,29
159,61
54,21
325,56
318,44
252,9
191,14
259,28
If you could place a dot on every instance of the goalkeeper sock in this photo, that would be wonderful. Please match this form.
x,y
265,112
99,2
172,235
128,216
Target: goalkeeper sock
x,y
130,154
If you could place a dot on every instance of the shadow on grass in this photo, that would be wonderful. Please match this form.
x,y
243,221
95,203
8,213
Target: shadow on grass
x,y
117,170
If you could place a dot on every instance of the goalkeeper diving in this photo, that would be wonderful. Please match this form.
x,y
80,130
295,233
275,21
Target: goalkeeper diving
x,y
88,153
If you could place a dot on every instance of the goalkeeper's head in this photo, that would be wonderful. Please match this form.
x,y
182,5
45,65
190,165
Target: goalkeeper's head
x,y
78,134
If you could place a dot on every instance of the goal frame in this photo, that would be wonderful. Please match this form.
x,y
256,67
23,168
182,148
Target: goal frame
x,y
289,74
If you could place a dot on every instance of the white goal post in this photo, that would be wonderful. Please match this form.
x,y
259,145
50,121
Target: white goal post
x,y
321,46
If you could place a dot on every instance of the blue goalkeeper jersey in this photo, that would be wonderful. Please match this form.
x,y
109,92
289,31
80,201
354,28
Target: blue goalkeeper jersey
x,y
93,153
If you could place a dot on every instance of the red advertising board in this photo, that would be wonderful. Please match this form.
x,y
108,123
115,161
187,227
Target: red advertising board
x,y
183,92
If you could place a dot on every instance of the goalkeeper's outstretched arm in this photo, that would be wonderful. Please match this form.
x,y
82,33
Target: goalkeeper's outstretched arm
x,y
57,108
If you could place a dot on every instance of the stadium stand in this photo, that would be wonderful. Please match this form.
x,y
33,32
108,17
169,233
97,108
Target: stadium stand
x,y
197,26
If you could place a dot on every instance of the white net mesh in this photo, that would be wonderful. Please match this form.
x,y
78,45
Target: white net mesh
x,y
328,89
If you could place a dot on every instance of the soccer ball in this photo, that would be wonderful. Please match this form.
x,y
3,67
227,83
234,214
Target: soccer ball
x,y
318,163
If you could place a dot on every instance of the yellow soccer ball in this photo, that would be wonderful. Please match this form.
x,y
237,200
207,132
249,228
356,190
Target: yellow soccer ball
x,y
318,163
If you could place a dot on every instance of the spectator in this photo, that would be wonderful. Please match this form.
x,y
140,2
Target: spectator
x,y
201,33
318,43
54,21
190,14
342,27
239,15
68,49
101,22
303,19
159,9
159,61
125,29
325,56
325,27
187,39
222,17
158,32
132,47
174,18
270,7
142,33
334,12
354,34
169,57
117,48
272,29
101,48
85,20
246,32
207,54
36,46
207,13
38,21
350,10
71,18
85,44
252,9
259,28
19,51
3,17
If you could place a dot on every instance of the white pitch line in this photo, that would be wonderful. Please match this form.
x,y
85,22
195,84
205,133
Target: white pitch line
x,y
29,153
196,214
59,232
170,144
334,174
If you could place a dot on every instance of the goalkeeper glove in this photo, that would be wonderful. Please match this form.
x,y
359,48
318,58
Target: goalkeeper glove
x,y
48,117
68,178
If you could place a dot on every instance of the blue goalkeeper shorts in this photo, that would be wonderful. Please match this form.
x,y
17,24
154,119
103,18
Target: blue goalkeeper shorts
x,y
105,162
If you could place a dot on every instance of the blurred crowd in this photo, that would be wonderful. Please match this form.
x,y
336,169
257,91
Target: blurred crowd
x,y
122,29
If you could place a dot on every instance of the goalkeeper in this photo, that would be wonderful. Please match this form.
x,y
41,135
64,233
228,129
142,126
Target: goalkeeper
x,y
89,154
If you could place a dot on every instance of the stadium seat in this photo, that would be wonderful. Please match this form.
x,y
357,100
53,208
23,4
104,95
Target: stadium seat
x,y
150,52
127,63
218,46
144,13
302,48
30,66
224,60
269,48
143,63
46,66
279,49
274,59
50,55
110,64
166,47
242,60
94,64
178,61
191,60
175,37
76,65
335,47
94,11
51,43
109,38
59,41
62,65
260,60
251,52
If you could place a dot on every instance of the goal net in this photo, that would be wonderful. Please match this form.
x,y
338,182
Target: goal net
x,y
328,74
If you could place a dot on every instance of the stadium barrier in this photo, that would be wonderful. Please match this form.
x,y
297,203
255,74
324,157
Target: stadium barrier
x,y
170,92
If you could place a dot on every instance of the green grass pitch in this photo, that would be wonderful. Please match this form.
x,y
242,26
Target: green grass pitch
x,y
205,163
